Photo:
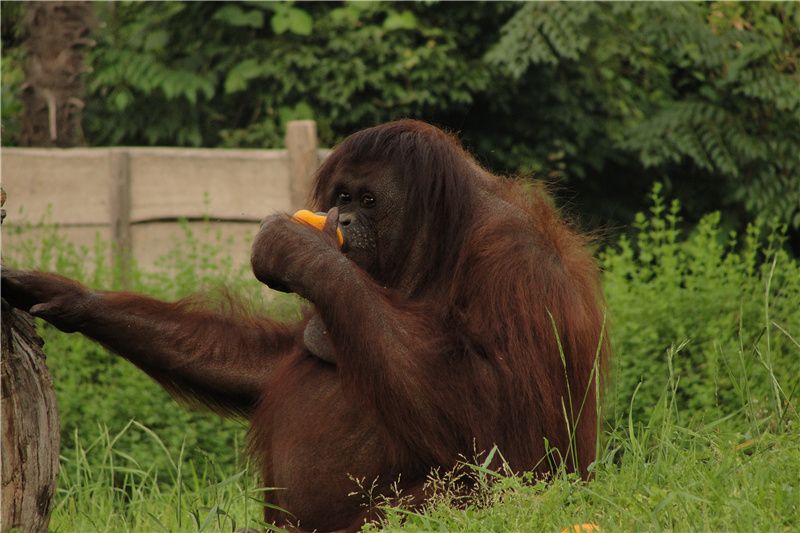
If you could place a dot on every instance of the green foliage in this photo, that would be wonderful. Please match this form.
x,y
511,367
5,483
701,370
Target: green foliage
x,y
710,92
730,303
364,63
233,15
218,74
541,34
735,112
291,19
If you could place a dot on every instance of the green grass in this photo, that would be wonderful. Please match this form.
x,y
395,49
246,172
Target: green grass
x,y
730,474
700,424
677,480
102,487
688,481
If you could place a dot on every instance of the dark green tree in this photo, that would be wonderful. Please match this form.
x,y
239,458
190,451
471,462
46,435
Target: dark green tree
x,y
703,96
232,74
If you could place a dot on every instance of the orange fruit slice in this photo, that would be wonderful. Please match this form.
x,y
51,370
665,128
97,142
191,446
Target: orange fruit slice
x,y
316,220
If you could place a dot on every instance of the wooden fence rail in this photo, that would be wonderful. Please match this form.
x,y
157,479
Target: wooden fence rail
x,y
134,196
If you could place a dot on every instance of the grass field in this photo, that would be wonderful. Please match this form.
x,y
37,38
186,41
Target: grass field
x,y
730,474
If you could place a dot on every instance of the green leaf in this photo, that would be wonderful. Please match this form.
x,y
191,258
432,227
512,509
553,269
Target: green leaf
x,y
301,111
241,74
156,40
206,85
346,14
280,22
235,16
292,19
122,98
300,22
260,4
400,21
170,85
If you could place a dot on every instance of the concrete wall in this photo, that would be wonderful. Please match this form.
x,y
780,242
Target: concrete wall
x,y
133,197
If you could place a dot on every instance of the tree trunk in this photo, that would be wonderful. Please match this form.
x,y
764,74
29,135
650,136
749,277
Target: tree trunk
x,y
30,427
57,35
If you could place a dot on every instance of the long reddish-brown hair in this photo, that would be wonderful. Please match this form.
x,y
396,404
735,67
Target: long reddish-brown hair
x,y
441,185
522,292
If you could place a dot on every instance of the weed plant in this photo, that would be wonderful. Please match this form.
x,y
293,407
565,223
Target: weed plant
x,y
700,420
732,303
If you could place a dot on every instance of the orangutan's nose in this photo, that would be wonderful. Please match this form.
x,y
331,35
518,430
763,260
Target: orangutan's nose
x,y
345,219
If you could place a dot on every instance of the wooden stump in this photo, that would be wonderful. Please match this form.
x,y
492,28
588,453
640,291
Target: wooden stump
x,y
30,427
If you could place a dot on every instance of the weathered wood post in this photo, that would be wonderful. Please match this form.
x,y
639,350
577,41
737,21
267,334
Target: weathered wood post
x,y
29,427
302,146
120,213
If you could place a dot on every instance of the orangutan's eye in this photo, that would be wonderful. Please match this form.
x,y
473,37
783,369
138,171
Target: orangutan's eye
x,y
367,200
343,197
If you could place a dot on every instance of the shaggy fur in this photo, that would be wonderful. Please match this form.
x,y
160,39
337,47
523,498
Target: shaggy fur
x,y
489,337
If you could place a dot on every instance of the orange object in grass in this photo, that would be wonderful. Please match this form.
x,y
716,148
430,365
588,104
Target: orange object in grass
x,y
581,528
317,220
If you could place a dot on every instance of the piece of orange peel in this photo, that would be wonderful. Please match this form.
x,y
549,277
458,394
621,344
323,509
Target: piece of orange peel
x,y
317,221
581,528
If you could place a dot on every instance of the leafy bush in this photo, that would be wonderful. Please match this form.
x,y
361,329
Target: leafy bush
x,y
730,303
233,74
705,92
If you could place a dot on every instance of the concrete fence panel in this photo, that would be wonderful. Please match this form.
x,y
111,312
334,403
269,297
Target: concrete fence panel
x,y
134,197
71,184
222,184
